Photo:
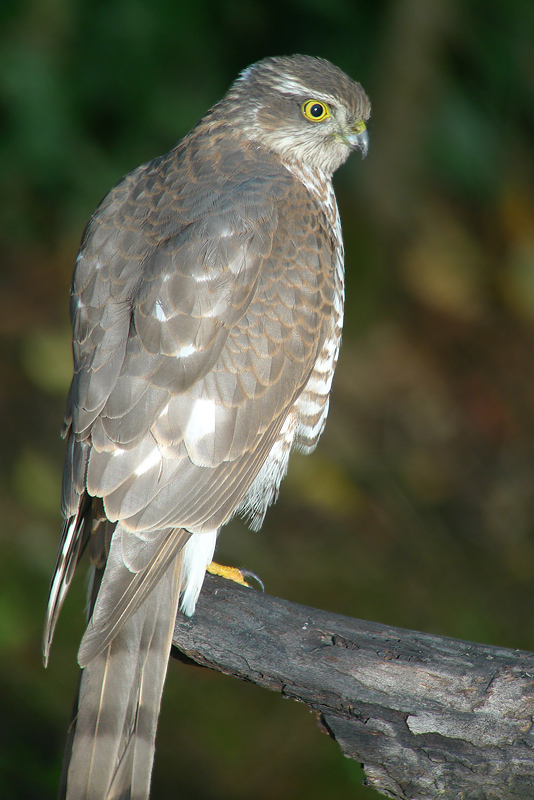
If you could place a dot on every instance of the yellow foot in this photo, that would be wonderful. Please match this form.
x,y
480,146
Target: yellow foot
x,y
230,573
234,574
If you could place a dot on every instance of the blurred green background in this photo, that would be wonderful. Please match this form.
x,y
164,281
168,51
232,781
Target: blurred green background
x,y
417,508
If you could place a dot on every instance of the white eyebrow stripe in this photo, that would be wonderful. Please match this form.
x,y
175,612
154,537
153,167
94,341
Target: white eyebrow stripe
x,y
289,85
293,86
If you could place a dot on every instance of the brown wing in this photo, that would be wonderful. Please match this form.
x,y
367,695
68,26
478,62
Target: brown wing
x,y
199,307
201,297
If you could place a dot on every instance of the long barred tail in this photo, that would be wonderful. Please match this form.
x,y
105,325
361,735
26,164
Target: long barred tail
x,y
111,743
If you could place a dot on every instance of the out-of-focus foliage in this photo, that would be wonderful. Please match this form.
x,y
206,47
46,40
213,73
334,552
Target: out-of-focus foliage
x,y
417,509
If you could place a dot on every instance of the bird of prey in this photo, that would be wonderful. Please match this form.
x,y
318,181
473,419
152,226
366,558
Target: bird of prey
x,y
206,306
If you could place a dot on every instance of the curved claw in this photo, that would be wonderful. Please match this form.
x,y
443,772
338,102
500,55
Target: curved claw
x,y
246,573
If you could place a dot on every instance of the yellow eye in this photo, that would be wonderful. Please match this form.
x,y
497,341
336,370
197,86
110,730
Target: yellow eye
x,y
315,110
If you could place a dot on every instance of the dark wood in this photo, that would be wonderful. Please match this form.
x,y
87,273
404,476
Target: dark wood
x,y
429,717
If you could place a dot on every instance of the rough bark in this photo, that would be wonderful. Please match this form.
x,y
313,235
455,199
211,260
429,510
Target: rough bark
x,y
429,717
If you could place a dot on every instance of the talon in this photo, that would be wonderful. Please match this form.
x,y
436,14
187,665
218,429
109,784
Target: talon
x,y
247,573
230,573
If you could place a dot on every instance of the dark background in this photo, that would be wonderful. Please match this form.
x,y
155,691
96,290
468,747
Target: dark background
x,y
417,508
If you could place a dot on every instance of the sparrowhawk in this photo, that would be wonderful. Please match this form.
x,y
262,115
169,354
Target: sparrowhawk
x,y
206,305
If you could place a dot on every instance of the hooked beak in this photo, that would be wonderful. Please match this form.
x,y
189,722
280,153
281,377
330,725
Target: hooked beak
x,y
358,139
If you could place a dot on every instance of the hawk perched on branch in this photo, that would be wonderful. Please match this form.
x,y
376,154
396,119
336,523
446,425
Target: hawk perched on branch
x,y
207,305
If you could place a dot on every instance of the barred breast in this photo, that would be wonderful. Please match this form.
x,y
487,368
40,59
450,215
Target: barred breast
x,y
307,417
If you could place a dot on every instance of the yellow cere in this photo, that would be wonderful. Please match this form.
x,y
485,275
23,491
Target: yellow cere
x,y
359,126
315,110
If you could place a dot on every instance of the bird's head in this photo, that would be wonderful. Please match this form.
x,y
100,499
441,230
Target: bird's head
x,y
303,108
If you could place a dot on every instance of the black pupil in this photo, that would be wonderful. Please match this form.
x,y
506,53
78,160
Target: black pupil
x,y
316,110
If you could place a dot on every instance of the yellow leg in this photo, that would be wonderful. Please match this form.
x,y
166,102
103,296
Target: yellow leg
x,y
230,573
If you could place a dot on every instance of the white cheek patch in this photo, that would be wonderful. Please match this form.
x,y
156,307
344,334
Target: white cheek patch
x,y
152,459
202,420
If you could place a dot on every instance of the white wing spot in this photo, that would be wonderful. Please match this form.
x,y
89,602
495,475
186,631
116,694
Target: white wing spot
x,y
186,350
202,420
160,313
208,274
153,458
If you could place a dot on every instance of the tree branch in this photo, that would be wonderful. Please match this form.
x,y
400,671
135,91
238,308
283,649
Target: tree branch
x,y
429,717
